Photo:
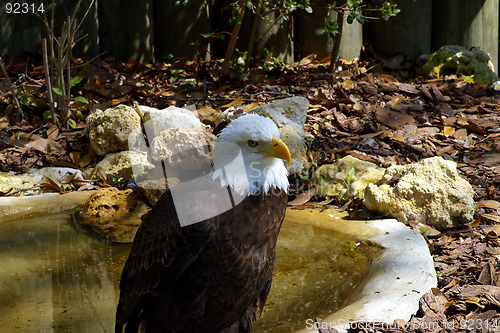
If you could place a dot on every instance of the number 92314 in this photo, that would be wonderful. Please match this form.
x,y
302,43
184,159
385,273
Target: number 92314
x,y
24,8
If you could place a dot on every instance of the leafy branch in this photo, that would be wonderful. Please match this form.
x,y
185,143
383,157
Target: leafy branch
x,y
260,10
355,10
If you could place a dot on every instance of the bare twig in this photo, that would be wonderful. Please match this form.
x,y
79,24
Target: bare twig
x,y
12,90
49,83
234,37
84,16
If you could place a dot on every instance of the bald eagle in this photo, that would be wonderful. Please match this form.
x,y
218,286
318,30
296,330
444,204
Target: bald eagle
x,y
202,260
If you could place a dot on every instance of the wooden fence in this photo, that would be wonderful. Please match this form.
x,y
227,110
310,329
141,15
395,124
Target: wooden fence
x,y
154,29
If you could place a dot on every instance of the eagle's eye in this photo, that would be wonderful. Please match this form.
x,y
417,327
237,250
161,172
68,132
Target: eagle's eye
x,y
253,143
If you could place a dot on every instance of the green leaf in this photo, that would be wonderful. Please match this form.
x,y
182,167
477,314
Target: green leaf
x,y
324,39
81,99
79,115
350,18
58,91
51,5
308,9
360,18
71,123
351,173
46,115
75,80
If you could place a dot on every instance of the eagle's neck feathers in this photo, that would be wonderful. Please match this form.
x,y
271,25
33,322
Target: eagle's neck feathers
x,y
252,174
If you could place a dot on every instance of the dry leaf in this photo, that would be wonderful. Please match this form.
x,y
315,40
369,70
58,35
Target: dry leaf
x,y
492,218
51,186
348,84
460,134
345,74
68,178
393,119
450,284
304,197
493,204
85,160
237,102
396,100
117,101
387,78
448,130
75,157
475,223
308,59
205,111
408,89
52,132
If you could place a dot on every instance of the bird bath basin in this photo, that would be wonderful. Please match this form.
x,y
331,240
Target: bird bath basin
x,y
57,277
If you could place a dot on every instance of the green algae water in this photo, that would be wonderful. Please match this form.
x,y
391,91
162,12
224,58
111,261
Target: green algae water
x,y
57,277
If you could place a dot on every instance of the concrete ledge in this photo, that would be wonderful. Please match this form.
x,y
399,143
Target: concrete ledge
x,y
396,280
15,207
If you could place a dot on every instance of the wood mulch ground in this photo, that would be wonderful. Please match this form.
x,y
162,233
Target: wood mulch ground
x,y
365,109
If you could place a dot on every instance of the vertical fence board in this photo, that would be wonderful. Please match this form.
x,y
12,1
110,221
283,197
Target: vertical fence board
x,y
309,42
177,27
409,32
19,33
145,30
126,29
470,23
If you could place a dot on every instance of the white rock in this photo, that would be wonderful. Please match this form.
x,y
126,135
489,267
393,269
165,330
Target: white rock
x,y
431,187
155,120
30,183
183,148
334,180
112,130
123,165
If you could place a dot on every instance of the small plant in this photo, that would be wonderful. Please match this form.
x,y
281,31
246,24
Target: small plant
x,y
25,98
424,232
57,59
328,31
270,62
347,182
175,75
304,175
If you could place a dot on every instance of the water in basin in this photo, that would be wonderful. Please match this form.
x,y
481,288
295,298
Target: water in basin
x,y
56,277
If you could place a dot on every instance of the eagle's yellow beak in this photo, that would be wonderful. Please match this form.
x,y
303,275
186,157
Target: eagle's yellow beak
x,y
279,150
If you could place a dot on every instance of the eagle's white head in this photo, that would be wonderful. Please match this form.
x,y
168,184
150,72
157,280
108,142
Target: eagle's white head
x,y
248,156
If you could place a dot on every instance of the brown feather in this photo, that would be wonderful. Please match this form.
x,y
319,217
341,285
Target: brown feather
x,y
204,277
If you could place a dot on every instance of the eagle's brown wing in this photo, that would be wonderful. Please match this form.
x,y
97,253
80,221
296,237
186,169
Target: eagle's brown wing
x,y
161,252
206,276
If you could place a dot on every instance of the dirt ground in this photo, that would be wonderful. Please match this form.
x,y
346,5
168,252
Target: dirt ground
x,y
377,111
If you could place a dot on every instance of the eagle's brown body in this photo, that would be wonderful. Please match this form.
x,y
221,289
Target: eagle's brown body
x,y
204,277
